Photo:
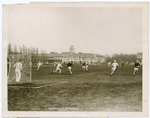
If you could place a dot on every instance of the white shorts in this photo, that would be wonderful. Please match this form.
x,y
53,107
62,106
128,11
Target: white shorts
x,y
69,68
136,69
83,67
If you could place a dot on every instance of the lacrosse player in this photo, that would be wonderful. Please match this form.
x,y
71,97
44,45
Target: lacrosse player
x,y
122,63
39,64
114,66
83,66
86,66
18,69
69,65
58,68
136,67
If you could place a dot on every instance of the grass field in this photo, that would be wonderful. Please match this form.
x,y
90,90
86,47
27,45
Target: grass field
x,y
83,91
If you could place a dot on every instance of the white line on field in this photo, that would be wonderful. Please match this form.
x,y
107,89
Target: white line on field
x,y
40,86
65,108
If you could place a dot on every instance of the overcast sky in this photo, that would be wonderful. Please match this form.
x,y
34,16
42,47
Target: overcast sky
x,y
96,30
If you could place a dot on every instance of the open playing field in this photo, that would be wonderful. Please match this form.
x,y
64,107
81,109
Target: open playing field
x,y
83,91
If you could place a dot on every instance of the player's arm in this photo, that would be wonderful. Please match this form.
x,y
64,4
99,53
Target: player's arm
x,y
117,65
138,65
61,66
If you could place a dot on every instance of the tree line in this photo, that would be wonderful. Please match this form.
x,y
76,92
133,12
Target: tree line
x,y
23,50
121,58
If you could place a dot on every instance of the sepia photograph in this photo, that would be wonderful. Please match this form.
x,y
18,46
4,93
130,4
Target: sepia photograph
x,y
75,57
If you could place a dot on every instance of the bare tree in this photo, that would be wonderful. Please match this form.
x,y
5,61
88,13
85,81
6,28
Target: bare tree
x,y
9,48
15,48
20,50
37,50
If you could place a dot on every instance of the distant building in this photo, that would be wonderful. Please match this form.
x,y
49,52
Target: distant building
x,y
71,49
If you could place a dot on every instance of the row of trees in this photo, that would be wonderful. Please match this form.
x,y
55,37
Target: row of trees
x,y
23,50
121,57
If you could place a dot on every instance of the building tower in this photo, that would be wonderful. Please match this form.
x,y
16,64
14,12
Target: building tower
x,y
72,49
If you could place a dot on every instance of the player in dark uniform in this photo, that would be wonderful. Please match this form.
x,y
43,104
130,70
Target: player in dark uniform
x,y
122,64
69,65
83,66
136,67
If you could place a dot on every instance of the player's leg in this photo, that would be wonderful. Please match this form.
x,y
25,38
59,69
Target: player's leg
x,y
55,70
112,71
17,75
83,68
37,68
59,71
135,70
70,70
86,68
67,69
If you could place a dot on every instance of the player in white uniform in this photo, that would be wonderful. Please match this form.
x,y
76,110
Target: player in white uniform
x,y
86,66
58,68
114,66
39,64
18,69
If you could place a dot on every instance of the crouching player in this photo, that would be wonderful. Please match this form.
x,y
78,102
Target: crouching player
x,y
69,65
136,67
114,66
39,64
18,70
58,68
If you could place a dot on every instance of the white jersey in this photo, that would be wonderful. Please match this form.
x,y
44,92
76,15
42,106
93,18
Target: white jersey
x,y
114,65
39,64
18,66
58,66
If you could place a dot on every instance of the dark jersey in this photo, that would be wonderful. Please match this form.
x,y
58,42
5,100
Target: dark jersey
x,y
84,64
69,64
136,65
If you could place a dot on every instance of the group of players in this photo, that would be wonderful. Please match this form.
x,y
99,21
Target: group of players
x,y
115,65
18,68
59,67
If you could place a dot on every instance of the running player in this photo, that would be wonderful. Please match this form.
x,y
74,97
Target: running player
x,y
122,63
86,66
58,68
69,65
136,67
39,64
83,66
114,66
18,69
